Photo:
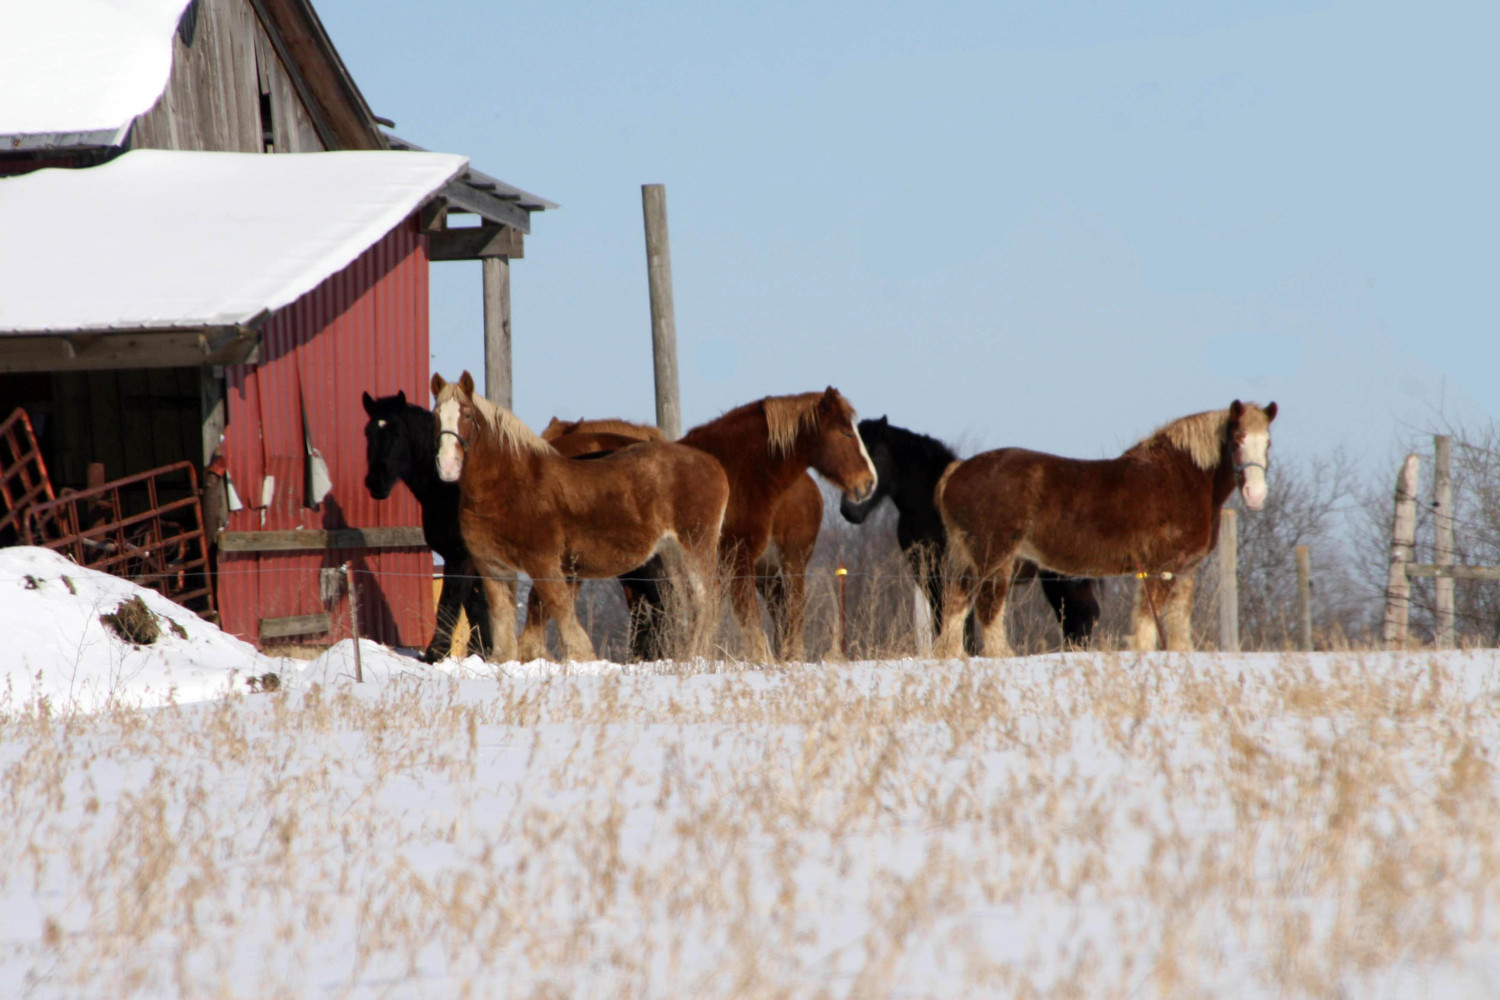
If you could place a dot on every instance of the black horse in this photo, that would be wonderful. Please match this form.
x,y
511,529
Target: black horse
x,y
909,465
400,444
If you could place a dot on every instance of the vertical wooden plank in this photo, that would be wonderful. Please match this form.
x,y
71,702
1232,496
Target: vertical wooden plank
x,y
1229,584
497,367
663,315
1403,533
1304,598
921,616
1442,503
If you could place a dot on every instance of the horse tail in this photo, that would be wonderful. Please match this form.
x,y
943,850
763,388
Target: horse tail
x,y
957,555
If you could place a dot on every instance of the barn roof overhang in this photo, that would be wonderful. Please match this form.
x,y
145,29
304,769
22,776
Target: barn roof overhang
x,y
165,258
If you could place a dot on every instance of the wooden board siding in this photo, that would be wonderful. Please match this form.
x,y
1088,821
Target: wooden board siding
x,y
212,99
363,329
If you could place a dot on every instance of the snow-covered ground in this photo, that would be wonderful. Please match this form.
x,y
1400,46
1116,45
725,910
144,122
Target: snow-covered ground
x,y
1087,825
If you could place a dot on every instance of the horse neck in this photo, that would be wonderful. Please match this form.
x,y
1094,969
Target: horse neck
x,y
918,470
420,474
741,443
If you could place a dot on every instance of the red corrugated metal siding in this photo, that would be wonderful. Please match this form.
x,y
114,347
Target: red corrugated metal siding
x,y
363,329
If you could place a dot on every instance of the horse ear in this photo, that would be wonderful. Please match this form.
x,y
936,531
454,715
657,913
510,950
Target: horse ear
x,y
466,383
884,421
437,384
400,397
1236,410
369,404
1270,412
830,398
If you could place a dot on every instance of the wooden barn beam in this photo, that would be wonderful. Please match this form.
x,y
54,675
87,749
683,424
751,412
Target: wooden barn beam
x,y
492,208
476,243
313,540
86,351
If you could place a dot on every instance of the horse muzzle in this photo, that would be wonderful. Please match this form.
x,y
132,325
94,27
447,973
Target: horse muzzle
x,y
858,494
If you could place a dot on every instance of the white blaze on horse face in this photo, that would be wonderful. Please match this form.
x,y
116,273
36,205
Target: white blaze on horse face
x,y
450,456
869,463
1253,455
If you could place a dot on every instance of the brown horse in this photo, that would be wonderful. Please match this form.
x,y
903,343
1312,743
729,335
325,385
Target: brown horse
x,y
780,575
1152,512
766,447
525,507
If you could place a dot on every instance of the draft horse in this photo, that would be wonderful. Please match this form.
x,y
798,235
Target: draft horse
x,y
779,574
524,507
1152,512
909,465
766,448
399,445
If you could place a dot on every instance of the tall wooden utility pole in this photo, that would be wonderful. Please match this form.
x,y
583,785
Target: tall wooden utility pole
x,y
663,319
497,331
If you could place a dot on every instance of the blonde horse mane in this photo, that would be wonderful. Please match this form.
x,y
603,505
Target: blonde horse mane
x,y
1201,435
788,416
505,424
606,425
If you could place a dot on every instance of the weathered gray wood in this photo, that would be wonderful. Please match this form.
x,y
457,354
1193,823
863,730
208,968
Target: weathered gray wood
x,y
1449,572
1442,504
1403,535
497,385
1229,584
312,540
921,616
211,100
475,243
463,198
1304,599
663,315
135,349
281,628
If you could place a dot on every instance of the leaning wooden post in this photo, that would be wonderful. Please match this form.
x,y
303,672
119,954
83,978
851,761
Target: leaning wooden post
x,y
359,669
663,318
1304,598
1442,503
1229,587
843,576
497,367
1403,535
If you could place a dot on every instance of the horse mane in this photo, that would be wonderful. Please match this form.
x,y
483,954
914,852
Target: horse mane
x,y
932,452
1199,435
505,424
607,425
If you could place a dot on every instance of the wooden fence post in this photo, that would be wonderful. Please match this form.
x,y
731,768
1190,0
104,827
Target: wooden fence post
x,y
1403,536
1304,598
1442,497
497,368
359,667
921,618
1229,584
663,317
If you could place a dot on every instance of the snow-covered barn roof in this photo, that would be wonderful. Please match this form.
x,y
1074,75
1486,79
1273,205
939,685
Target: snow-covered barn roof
x,y
79,71
159,240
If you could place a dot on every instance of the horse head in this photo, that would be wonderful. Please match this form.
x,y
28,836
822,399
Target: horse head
x,y
873,434
454,410
1248,438
837,450
388,448
557,428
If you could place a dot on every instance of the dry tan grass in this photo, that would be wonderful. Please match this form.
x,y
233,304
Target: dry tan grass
x,y
1090,826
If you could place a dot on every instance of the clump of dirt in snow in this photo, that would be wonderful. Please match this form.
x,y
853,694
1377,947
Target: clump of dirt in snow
x,y
133,621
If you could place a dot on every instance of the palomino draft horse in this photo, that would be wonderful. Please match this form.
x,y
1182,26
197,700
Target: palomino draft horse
x,y
1152,512
766,447
525,507
399,445
779,575
909,466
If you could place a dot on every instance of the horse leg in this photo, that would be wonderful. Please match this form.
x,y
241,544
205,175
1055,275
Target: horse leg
x,y
1177,616
1150,601
500,592
989,613
558,599
1075,604
477,608
958,596
533,644
456,588
746,608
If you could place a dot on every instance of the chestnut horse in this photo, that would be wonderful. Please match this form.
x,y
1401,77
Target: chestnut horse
x,y
766,447
1152,512
525,507
780,577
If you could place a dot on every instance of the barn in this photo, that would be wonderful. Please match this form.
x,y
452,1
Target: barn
x,y
214,248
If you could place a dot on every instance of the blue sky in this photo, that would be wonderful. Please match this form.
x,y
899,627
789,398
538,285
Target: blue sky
x,y
1053,225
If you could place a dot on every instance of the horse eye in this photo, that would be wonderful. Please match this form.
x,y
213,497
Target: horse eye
x,y
848,434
